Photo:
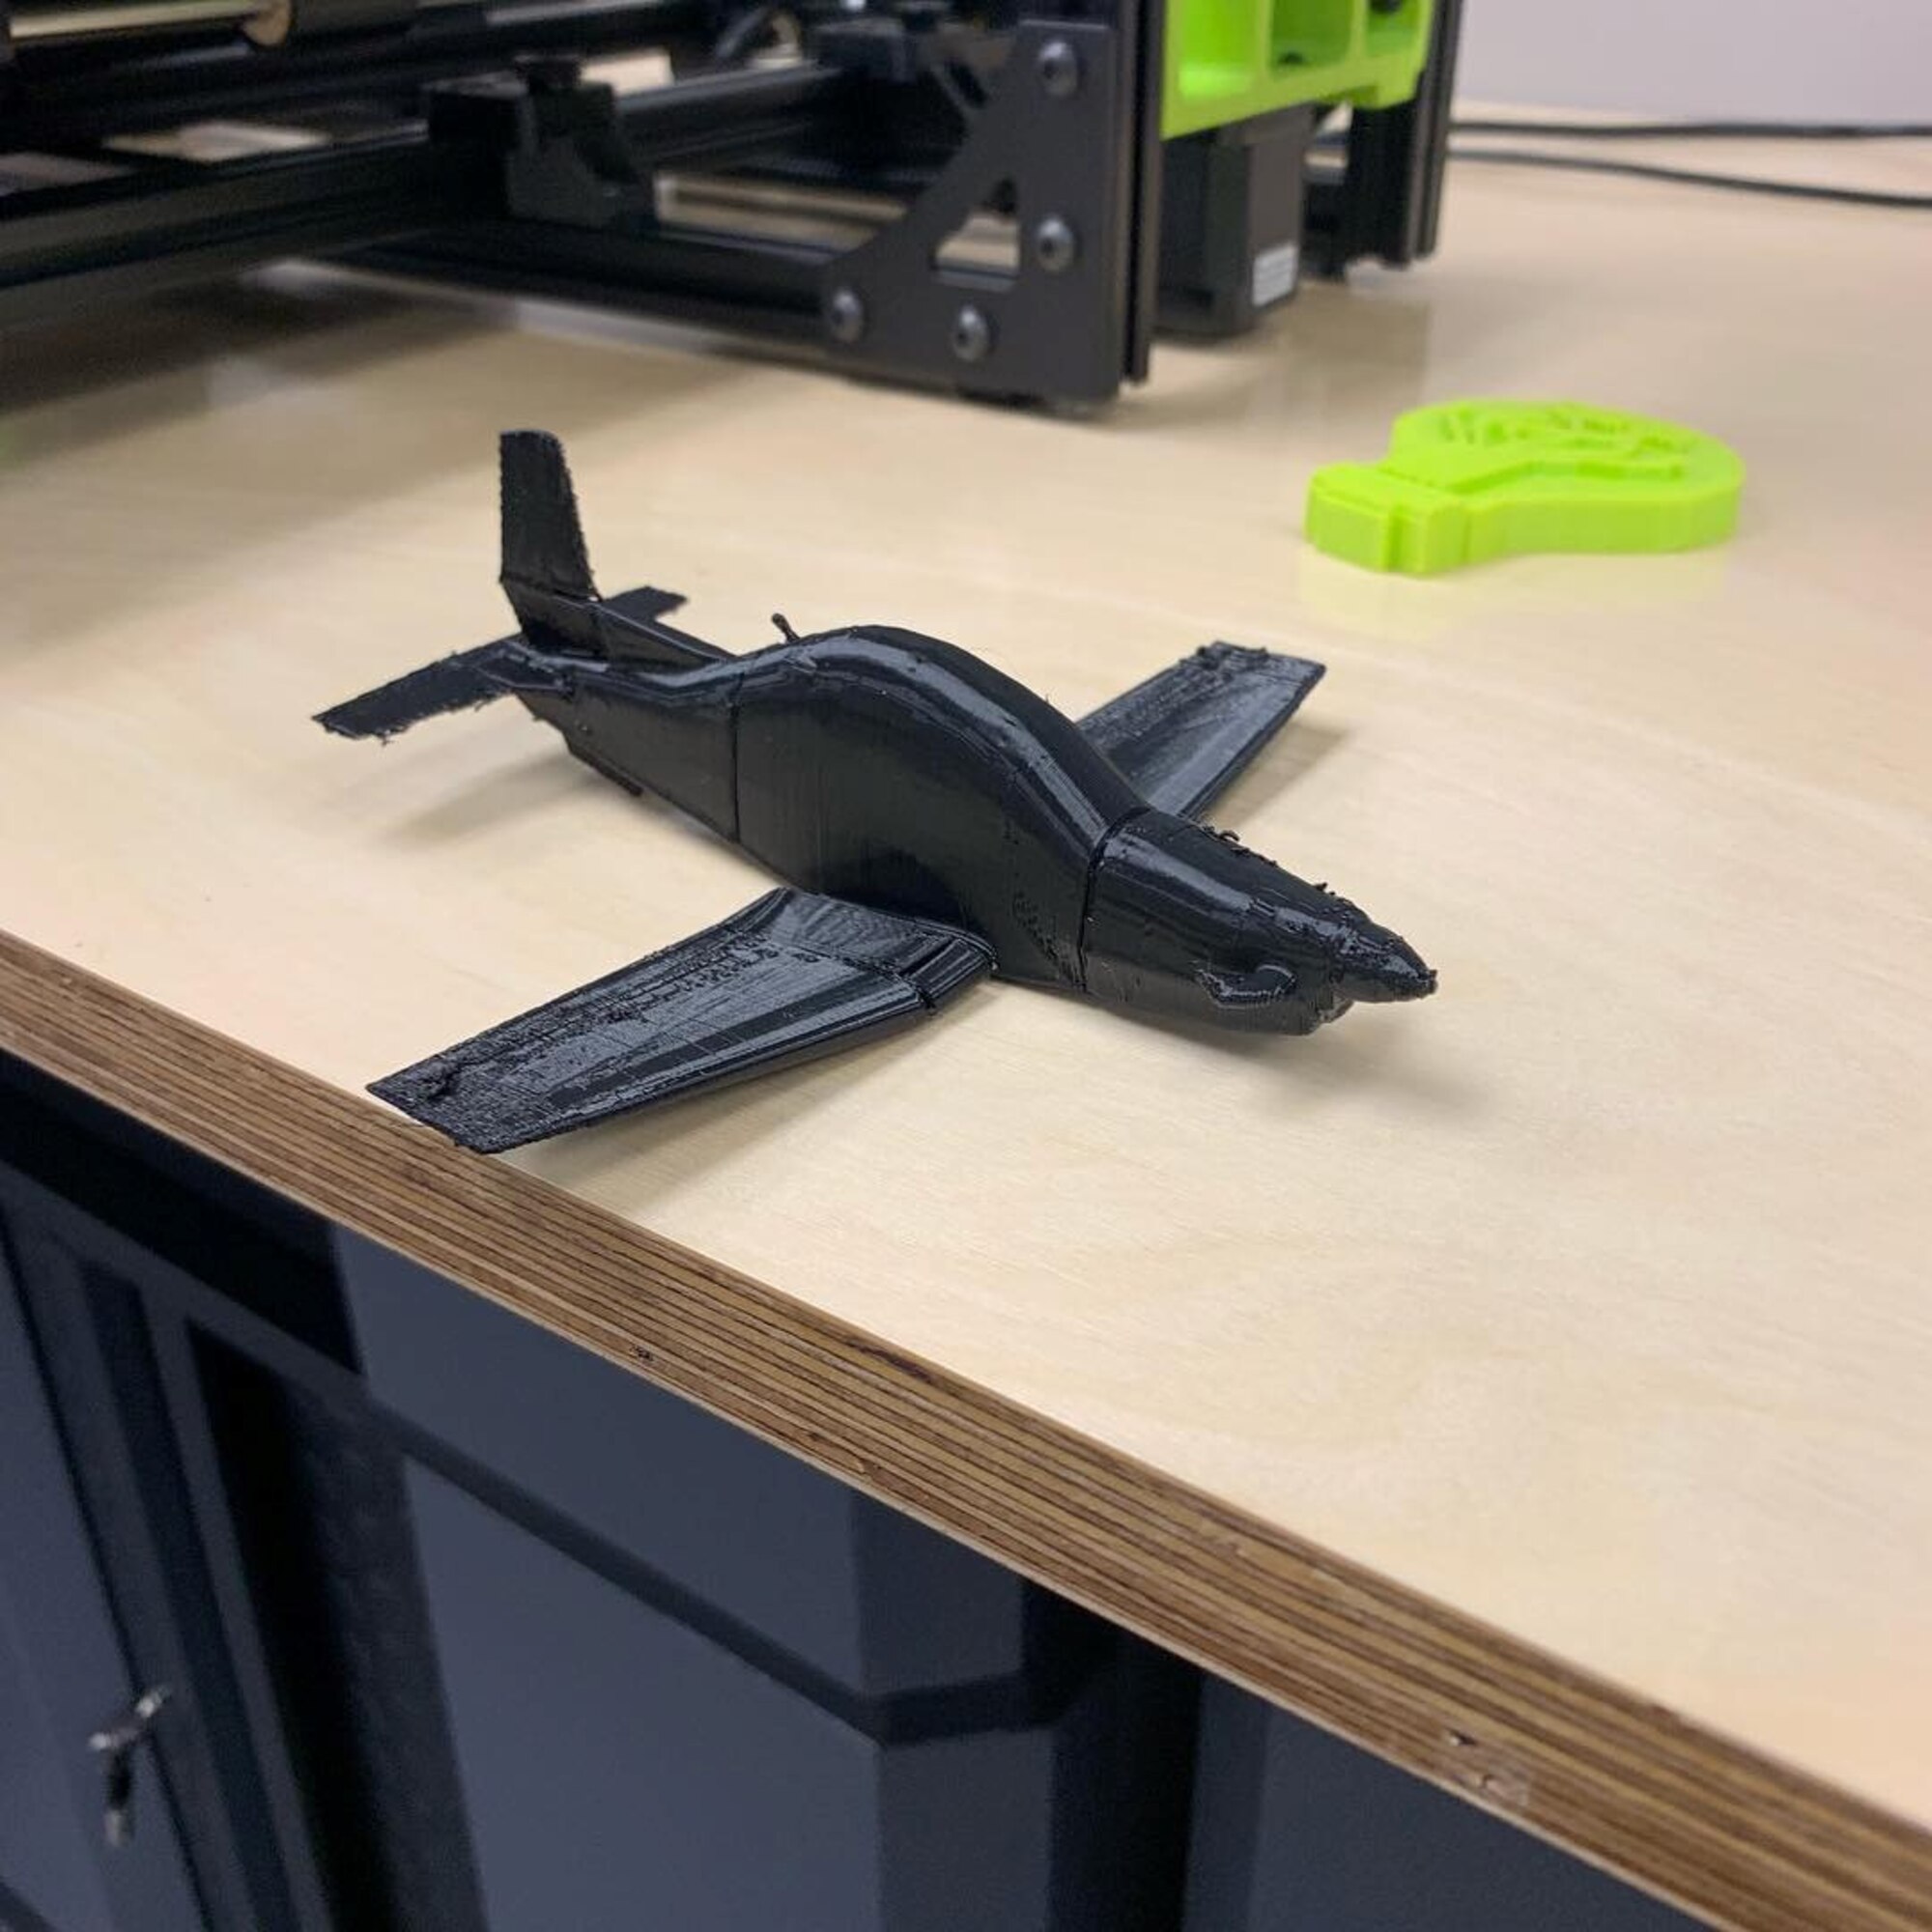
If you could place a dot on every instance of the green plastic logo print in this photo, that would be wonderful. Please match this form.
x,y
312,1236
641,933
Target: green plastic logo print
x,y
1463,482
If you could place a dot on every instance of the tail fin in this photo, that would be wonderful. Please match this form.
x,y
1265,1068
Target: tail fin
x,y
543,535
546,571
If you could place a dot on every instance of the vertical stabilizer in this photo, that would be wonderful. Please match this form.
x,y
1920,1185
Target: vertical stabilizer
x,y
543,536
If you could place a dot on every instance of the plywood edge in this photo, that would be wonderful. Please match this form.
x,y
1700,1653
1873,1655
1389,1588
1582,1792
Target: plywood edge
x,y
1618,1781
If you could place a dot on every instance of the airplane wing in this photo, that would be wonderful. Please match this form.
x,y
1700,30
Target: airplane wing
x,y
1185,733
791,977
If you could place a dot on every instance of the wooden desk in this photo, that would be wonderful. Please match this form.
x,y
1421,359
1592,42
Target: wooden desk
x,y
1532,1386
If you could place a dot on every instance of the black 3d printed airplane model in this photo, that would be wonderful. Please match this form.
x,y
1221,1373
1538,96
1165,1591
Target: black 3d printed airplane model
x,y
935,822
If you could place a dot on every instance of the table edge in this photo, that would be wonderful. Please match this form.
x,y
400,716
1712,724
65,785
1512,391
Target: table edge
x,y
1604,1773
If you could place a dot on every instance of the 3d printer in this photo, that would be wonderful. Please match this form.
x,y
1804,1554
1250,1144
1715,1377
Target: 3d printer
x,y
1008,201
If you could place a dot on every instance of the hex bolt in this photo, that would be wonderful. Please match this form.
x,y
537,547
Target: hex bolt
x,y
1059,70
845,316
1055,244
972,335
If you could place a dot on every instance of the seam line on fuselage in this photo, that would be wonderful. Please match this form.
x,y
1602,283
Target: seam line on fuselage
x,y
731,745
1093,865
846,674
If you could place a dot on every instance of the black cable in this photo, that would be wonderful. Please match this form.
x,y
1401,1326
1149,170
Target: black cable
x,y
1595,164
1702,130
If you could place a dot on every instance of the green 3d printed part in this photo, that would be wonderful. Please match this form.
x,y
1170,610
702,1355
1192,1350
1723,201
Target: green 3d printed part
x,y
1229,60
1463,482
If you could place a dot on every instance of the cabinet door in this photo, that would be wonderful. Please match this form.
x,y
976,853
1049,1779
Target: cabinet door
x,y
243,1503
62,1675
625,1774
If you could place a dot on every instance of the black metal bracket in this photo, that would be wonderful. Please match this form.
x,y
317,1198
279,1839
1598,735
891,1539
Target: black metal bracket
x,y
1051,144
1052,149
467,147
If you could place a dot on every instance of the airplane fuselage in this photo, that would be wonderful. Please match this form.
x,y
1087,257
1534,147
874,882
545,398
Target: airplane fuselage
x,y
901,773
873,765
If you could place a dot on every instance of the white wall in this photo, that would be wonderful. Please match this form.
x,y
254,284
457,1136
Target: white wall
x,y
1790,59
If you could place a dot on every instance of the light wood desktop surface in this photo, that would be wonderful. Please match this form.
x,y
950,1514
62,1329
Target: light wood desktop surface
x,y
1534,1384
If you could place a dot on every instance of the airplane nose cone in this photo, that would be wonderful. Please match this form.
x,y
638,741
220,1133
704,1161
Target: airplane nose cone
x,y
1390,969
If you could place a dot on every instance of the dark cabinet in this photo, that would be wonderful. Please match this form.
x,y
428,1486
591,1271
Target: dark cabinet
x,y
62,1675
694,1683
465,1629
194,1494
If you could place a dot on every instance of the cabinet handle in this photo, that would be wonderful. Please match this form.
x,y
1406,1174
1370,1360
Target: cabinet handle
x,y
115,1746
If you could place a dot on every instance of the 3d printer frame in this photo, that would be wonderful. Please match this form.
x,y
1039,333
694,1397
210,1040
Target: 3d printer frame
x,y
983,201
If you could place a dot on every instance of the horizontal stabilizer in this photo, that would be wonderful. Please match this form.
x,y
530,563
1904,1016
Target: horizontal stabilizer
x,y
1184,734
644,604
791,977
458,682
